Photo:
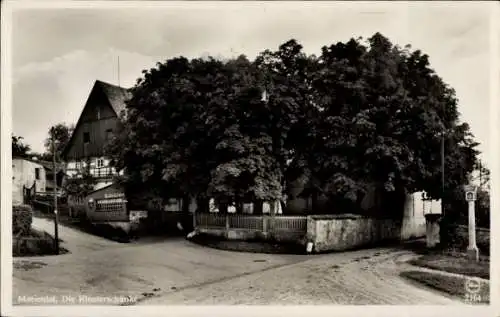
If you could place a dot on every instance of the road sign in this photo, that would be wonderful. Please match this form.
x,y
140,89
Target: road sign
x,y
470,192
470,196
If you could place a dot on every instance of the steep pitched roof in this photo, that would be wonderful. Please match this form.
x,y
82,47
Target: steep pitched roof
x,y
49,166
117,96
16,157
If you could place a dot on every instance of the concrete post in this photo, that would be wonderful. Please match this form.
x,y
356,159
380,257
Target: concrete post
x,y
470,196
227,234
472,250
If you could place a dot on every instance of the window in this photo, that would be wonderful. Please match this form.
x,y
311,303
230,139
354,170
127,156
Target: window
x,y
100,163
98,113
86,137
109,134
37,173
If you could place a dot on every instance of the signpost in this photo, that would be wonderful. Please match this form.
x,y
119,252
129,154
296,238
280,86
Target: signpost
x,y
470,196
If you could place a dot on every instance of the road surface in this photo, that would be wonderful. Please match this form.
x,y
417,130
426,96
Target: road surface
x,y
176,271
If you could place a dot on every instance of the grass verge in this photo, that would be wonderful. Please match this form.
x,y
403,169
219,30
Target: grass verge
x,y
36,243
254,246
454,264
456,286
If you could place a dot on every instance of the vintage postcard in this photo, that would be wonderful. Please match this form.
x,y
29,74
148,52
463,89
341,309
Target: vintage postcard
x,y
250,158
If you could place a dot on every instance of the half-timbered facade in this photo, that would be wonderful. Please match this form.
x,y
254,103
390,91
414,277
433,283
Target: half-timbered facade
x,y
95,127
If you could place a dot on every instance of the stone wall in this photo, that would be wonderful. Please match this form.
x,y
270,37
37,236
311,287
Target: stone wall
x,y
344,232
252,235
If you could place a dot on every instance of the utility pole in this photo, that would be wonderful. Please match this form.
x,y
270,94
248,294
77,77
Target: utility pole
x,y
442,160
56,220
442,173
480,175
118,71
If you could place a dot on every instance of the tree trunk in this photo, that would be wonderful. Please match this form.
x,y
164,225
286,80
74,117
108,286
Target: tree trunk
x,y
185,204
314,202
239,206
202,204
257,207
283,206
223,208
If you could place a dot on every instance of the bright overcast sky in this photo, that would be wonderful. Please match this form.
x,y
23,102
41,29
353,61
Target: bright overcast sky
x,y
59,53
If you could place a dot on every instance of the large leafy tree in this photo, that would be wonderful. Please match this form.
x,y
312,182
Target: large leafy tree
x,y
362,114
383,114
193,128
246,168
286,77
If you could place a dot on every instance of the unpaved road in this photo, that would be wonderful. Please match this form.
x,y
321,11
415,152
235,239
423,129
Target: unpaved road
x,y
175,271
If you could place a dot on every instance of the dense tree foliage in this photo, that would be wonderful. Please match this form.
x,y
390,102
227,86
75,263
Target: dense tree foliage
x,y
361,114
81,184
61,133
19,149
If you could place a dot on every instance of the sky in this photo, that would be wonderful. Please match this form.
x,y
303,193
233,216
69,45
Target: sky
x,y
58,53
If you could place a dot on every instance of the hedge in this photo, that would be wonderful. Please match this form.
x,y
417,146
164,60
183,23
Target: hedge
x,y
22,217
36,243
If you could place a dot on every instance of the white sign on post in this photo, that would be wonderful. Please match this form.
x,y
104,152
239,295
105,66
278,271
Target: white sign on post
x,y
470,192
470,196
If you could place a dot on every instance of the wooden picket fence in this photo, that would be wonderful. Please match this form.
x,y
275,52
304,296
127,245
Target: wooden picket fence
x,y
263,223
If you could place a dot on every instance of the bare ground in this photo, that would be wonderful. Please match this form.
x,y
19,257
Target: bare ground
x,y
175,271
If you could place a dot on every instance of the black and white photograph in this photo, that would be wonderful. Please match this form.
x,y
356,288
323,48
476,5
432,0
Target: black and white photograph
x,y
248,153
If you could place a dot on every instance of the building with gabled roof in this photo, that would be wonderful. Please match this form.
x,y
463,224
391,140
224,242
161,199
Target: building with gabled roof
x,y
27,173
98,121
49,173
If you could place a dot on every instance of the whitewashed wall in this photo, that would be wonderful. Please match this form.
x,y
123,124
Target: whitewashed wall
x,y
23,174
416,208
72,166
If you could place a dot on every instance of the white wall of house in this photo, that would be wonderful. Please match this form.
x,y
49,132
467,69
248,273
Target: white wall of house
x,y
24,173
416,207
97,164
248,208
99,167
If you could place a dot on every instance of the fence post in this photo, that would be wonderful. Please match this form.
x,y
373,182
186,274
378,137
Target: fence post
x,y
272,206
227,226
264,224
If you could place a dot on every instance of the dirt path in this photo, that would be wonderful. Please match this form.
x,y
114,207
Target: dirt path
x,y
75,240
361,277
176,271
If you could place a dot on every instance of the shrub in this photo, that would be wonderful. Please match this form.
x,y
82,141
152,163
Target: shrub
x,y
22,217
36,243
79,211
